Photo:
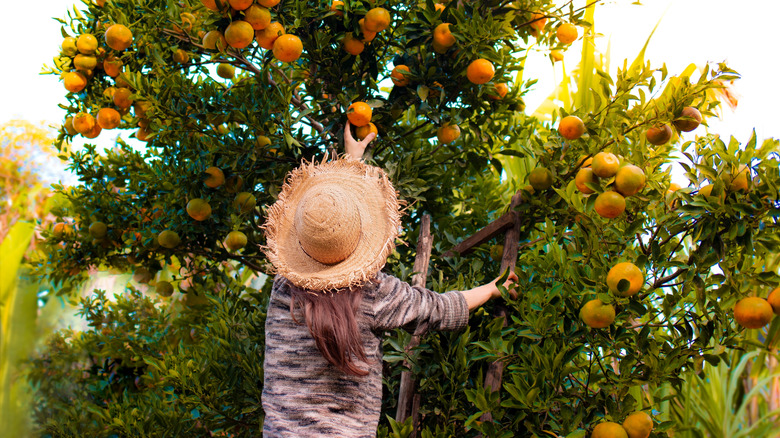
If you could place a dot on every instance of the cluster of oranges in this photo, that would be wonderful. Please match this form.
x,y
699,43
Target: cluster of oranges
x,y
359,115
566,33
252,21
636,425
624,279
376,20
756,312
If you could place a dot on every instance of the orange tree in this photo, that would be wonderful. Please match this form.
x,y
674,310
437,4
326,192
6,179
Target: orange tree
x,y
626,279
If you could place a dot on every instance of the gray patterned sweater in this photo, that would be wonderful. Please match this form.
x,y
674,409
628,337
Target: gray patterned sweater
x,y
305,396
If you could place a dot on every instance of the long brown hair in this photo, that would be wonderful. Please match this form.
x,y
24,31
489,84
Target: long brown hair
x,y
330,317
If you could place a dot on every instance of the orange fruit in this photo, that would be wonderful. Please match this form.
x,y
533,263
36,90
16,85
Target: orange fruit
x,y
689,119
87,44
367,34
244,202
98,230
359,114
501,90
141,107
84,63
377,19
739,182
363,131
262,141
625,271
164,288
108,118
94,132
659,134
240,5
584,161
235,240
215,40
567,33
225,70
605,164
352,45
119,37
266,37
630,180
480,71
199,209
68,125
234,183
608,429
112,66
187,20
258,17
68,47
83,123
215,179
585,176
443,37
774,300
541,178
168,239
753,312
596,314
288,48
337,6
438,7
538,20
212,4
571,127
448,133
181,56
74,81
399,75
122,98
706,191
268,3
556,55
239,34
143,133
638,425
60,230
610,204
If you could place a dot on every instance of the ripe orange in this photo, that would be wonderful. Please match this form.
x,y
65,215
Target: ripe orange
x,y
83,123
584,161
501,90
585,176
443,37
363,131
108,118
567,33
480,71
659,134
239,34
337,6
225,70
399,75
608,429
212,4
610,204
538,20
244,202
234,183
266,37
774,300
288,48
541,178
215,40
706,191
268,3
367,34
215,179
94,132
119,37
86,44
74,81
168,239
122,98
68,125
240,5
262,141
112,66
98,230
84,63
630,180
68,47
625,271
199,209
187,20
257,16
739,182
447,133
377,19
352,45
638,425
143,133
689,119
359,114
605,164
571,127
235,240
753,312
141,107
438,7
596,314
61,230
181,56
164,288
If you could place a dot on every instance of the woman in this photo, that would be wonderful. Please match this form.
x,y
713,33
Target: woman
x,y
329,235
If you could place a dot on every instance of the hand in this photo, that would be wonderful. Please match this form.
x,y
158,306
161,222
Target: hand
x,y
510,281
352,147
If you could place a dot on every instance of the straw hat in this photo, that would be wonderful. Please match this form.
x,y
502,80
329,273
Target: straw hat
x,y
333,225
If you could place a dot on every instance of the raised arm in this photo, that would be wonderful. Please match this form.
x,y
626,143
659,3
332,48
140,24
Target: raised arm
x,y
480,294
355,148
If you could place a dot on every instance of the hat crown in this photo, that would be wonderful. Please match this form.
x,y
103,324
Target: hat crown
x,y
327,222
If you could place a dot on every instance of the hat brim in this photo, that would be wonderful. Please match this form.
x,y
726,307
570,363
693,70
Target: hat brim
x,y
380,218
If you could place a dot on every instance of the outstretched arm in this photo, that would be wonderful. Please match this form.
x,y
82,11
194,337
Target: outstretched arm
x,y
480,294
352,147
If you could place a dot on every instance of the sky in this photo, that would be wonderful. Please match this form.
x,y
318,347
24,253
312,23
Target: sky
x,y
691,31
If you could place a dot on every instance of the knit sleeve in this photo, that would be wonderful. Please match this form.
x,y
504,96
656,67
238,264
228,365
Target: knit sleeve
x,y
415,309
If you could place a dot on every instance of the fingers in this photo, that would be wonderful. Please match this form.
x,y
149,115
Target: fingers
x,y
348,130
368,139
